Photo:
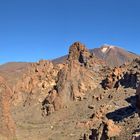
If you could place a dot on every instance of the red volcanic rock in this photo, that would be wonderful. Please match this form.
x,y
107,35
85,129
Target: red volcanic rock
x,y
112,80
112,129
7,126
75,79
73,82
81,54
56,85
78,52
36,82
126,75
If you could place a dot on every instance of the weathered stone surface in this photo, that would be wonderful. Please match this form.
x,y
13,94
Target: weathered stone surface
x,y
36,82
112,129
7,125
73,83
79,52
75,79
106,130
126,76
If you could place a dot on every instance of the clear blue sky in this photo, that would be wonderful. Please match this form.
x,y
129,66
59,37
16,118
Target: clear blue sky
x,y
34,29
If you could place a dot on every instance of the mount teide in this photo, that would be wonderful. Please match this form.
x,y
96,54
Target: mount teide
x,y
112,55
66,99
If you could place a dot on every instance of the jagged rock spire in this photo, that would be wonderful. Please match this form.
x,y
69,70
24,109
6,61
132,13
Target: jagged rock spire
x,y
79,52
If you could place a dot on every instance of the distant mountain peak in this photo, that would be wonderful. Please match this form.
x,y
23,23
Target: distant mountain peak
x,y
113,56
105,48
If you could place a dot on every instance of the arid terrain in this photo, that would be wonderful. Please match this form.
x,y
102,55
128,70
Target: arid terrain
x,y
85,95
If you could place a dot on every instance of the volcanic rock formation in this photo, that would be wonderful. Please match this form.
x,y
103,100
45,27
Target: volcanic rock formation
x,y
127,75
82,88
112,55
7,125
75,79
36,82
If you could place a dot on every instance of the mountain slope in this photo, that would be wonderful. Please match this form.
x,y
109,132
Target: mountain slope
x,y
67,101
12,71
114,56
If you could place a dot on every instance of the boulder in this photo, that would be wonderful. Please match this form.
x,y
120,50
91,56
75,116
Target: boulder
x,y
113,130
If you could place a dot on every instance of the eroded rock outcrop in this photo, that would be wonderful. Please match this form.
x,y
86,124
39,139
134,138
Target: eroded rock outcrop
x,y
79,52
36,82
75,79
113,79
127,75
106,130
7,125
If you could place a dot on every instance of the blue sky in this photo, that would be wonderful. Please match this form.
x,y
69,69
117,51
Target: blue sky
x,y
44,29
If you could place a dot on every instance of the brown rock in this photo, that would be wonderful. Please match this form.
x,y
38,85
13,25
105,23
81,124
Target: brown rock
x,y
126,75
74,79
37,81
78,52
112,129
7,125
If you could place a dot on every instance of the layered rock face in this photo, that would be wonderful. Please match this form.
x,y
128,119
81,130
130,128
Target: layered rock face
x,y
36,82
79,52
75,79
7,125
127,75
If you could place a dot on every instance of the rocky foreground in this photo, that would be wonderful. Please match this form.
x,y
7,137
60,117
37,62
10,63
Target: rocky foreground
x,y
80,99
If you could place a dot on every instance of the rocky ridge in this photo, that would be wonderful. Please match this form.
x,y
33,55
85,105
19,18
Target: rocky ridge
x,y
75,79
127,75
82,93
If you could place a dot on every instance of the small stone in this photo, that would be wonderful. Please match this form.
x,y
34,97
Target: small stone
x,y
91,107
110,96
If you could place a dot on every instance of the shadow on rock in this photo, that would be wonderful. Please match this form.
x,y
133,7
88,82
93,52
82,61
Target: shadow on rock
x,y
125,112
100,133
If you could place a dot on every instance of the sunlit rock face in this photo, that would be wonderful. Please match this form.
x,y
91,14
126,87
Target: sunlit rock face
x,y
75,79
36,82
7,125
127,76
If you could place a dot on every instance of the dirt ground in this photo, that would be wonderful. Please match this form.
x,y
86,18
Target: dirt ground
x,y
62,124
